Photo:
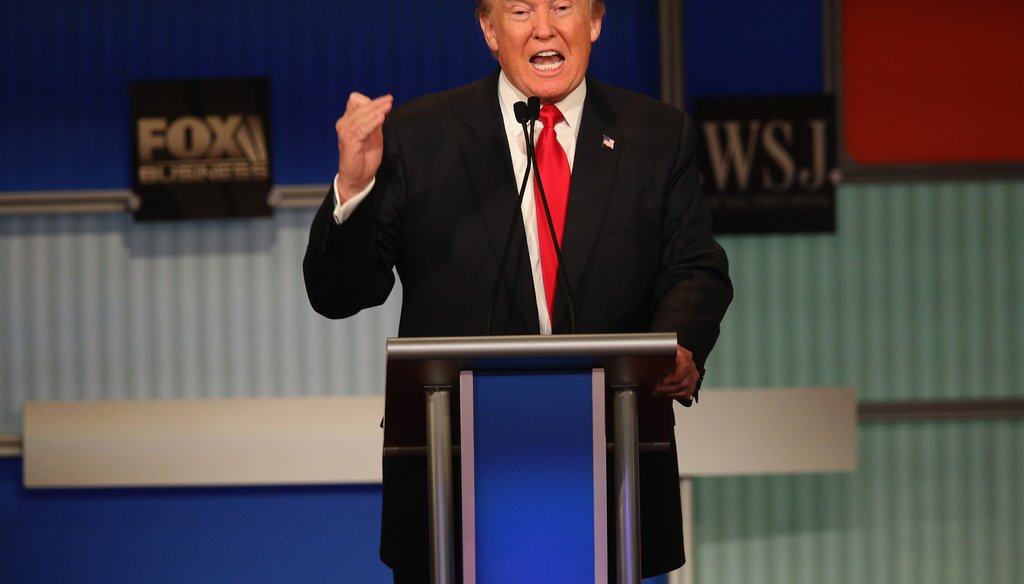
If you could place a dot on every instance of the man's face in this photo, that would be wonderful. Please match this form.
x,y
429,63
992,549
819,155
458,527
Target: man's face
x,y
543,45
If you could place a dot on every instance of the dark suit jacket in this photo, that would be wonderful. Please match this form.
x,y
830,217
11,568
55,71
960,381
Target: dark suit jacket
x,y
637,249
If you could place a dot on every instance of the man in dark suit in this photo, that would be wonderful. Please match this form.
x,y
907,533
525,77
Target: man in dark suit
x,y
431,193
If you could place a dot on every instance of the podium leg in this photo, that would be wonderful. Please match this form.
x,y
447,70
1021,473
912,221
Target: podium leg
x,y
439,461
626,485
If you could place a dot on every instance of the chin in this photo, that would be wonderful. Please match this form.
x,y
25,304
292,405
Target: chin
x,y
551,94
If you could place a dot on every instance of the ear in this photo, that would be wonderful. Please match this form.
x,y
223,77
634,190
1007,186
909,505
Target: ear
x,y
490,37
595,29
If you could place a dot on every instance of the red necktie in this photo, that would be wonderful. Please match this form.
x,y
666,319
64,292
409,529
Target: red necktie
x,y
553,167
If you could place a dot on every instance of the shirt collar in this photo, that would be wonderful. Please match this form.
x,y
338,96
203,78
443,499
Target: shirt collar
x,y
571,107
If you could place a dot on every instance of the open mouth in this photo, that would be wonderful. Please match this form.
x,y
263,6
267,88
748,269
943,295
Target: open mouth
x,y
547,61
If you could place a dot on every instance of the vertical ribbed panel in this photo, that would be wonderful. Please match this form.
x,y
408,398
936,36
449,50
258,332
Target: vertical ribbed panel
x,y
918,295
99,307
935,502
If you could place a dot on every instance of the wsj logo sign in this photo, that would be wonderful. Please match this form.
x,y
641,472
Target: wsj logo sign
x,y
201,148
190,149
768,163
732,157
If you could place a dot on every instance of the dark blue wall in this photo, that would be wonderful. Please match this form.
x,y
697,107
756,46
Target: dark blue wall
x,y
250,535
751,47
65,69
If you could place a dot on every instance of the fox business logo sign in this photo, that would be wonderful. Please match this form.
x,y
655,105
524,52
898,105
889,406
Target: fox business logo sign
x,y
769,163
190,149
201,148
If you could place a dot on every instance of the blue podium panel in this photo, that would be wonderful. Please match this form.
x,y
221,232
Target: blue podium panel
x,y
537,478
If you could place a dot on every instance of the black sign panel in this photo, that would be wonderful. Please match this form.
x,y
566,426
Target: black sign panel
x,y
201,148
769,163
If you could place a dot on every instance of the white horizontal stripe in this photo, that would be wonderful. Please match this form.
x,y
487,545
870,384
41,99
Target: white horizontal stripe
x,y
337,440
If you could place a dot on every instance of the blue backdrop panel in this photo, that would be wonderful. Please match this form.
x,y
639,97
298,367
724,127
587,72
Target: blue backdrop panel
x,y
751,47
250,535
533,440
65,69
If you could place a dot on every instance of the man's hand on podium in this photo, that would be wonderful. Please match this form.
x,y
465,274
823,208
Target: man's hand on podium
x,y
684,381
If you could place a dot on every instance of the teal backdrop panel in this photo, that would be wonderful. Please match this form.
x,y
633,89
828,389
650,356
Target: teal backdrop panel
x,y
916,296
935,502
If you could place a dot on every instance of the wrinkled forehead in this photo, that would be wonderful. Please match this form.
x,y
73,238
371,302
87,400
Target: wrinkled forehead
x,y
483,7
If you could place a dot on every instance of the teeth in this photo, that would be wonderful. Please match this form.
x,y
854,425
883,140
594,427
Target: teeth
x,y
547,67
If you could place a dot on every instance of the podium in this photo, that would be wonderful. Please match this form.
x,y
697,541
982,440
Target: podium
x,y
528,418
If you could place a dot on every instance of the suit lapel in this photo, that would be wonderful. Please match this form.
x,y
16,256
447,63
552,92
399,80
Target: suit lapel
x,y
488,164
593,176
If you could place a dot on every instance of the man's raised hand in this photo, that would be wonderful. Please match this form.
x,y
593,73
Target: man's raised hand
x,y
360,142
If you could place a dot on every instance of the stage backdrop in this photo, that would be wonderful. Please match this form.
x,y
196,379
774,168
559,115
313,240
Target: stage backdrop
x,y
915,297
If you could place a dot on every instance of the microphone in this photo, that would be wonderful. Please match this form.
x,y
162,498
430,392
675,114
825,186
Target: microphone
x,y
529,113
533,109
523,113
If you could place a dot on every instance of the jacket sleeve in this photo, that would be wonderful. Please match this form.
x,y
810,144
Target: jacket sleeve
x,y
693,288
349,266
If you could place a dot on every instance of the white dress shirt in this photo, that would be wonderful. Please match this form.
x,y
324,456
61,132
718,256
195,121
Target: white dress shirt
x,y
566,131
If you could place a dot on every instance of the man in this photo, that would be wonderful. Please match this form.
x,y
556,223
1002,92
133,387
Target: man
x,y
432,191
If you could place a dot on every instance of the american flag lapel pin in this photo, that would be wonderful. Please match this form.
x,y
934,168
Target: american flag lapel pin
x,y
607,142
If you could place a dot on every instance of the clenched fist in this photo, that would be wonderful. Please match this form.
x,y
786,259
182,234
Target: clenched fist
x,y
360,142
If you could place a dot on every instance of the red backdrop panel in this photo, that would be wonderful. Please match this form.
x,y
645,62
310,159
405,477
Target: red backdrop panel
x,y
933,81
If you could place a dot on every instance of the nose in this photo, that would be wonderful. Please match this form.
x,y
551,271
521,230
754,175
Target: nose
x,y
542,28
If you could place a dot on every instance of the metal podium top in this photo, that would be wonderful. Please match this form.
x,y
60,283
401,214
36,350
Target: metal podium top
x,y
628,359
640,359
